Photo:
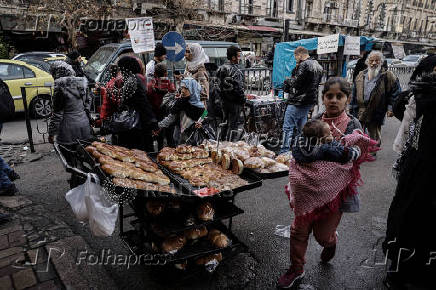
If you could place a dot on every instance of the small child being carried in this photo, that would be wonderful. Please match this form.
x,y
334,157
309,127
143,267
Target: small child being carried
x,y
316,143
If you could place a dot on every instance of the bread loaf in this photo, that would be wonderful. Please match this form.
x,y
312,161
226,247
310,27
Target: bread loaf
x,y
237,166
173,244
205,211
218,239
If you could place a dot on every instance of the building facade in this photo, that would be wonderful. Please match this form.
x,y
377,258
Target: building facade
x,y
258,24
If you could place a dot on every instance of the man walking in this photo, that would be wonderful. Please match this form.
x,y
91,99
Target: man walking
x,y
375,90
160,54
302,90
232,90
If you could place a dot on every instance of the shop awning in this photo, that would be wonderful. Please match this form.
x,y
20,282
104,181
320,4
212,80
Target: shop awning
x,y
263,28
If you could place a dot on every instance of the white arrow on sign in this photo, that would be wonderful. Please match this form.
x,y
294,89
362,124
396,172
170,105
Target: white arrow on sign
x,y
177,48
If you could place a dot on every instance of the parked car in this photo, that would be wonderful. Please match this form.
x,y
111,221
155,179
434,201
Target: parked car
x,y
50,60
39,55
38,63
17,74
412,60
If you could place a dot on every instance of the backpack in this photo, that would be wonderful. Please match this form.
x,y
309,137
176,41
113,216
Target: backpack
x,y
7,107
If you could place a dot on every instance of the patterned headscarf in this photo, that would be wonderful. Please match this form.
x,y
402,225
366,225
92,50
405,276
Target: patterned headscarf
x,y
194,88
199,57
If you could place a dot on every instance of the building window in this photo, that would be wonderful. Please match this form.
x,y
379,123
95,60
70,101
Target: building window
x,y
245,7
217,5
272,8
290,6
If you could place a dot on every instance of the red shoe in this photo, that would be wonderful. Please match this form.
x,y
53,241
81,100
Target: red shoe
x,y
328,253
290,278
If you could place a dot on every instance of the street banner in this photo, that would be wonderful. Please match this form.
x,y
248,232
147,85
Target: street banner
x,y
328,44
141,34
352,45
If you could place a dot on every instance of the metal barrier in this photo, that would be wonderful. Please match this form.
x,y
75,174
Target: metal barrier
x,y
257,80
403,73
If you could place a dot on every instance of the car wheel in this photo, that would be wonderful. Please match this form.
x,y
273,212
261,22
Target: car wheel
x,y
41,107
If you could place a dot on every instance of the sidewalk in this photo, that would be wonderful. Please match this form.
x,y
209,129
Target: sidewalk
x,y
38,251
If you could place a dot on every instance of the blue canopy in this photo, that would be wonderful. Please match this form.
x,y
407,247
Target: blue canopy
x,y
284,60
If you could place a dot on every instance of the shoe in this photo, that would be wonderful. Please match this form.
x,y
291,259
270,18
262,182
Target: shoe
x,y
9,191
13,176
328,253
290,278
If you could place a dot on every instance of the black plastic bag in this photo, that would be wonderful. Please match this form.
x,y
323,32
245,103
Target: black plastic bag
x,y
196,136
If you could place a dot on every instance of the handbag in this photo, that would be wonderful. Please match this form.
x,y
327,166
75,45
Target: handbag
x,y
122,121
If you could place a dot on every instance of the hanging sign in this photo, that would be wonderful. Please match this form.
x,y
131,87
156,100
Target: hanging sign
x,y
328,44
352,45
141,34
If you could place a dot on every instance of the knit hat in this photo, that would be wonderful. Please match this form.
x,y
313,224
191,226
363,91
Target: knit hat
x,y
73,55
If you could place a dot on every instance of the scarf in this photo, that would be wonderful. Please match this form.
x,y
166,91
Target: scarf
x,y
338,125
199,57
195,89
318,188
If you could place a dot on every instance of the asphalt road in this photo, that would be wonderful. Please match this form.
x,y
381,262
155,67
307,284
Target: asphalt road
x,y
355,266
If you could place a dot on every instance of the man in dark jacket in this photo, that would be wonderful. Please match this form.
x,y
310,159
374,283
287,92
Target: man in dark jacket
x,y
232,90
75,60
375,90
302,90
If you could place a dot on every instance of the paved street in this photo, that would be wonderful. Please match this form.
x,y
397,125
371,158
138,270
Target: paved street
x,y
44,182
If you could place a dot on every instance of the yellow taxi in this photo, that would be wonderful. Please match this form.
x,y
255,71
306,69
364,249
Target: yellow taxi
x,y
39,84
55,58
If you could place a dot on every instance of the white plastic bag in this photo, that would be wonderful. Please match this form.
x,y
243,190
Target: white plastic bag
x,y
102,213
76,199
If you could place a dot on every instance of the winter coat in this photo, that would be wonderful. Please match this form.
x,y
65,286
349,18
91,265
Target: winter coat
x,y
231,84
77,67
303,85
156,90
71,103
382,96
202,77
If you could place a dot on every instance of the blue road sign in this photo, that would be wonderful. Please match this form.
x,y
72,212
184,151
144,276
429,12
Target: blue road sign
x,y
175,45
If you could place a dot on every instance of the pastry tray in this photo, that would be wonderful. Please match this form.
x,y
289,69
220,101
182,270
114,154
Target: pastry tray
x,y
118,189
174,222
190,251
269,175
253,182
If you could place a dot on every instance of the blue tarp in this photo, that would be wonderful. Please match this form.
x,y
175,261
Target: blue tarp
x,y
284,60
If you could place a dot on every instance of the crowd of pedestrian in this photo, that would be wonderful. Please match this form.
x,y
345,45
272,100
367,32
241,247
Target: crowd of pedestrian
x,y
328,149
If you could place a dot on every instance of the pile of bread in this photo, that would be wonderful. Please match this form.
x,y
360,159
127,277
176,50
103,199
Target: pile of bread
x,y
194,164
130,168
239,155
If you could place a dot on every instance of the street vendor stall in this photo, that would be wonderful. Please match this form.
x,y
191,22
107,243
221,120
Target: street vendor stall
x,y
334,45
179,199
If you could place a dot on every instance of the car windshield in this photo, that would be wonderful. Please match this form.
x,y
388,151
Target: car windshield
x,y
411,58
98,61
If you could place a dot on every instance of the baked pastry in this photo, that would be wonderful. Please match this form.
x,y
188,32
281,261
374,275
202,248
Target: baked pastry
x,y
225,161
105,159
173,244
96,154
194,234
124,182
268,162
284,158
209,259
90,149
184,149
114,170
255,152
147,166
205,211
104,149
123,156
216,156
167,154
268,153
200,153
95,143
253,162
155,207
241,154
166,188
237,166
278,167
218,239
184,156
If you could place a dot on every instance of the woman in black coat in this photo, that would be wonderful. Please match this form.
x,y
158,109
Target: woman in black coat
x,y
133,94
410,242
